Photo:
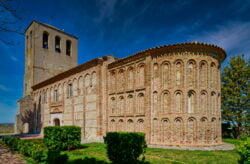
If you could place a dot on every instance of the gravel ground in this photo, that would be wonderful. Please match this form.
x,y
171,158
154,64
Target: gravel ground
x,y
7,157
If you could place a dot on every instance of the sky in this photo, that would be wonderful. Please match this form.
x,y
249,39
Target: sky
x,y
120,28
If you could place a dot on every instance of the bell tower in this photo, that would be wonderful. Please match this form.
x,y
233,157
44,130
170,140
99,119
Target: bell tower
x,y
48,51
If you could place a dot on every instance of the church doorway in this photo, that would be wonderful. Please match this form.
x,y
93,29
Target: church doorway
x,y
56,122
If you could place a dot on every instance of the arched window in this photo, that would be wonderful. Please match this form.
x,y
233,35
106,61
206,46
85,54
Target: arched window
x,y
121,79
130,78
113,105
204,130
166,102
122,105
68,47
140,125
191,102
155,103
213,103
155,131
213,77
112,125
57,44
178,102
112,83
203,102
179,73
120,125
178,131
130,104
214,130
165,75
141,75
203,74
192,130
93,79
191,73
140,102
45,40
130,125
166,131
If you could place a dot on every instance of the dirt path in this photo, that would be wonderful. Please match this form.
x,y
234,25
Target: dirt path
x,y
6,157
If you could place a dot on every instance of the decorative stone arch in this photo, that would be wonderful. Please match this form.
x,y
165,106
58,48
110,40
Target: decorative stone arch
x,y
155,130
214,133
179,102
213,75
93,79
204,130
112,84
113,105
121,79
166,74
121,103
191,102
130,104
165,131
75,87
191,130
203,102
121,126
130,125
112,125
179,73
140,125
130,75
87,80
178,131
203,73
213,102
80,85
60,92
155,103
140,103
141,74
165,102
191,73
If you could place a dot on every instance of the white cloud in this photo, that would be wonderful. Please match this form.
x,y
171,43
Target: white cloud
x,y
3,88
106,10
233,37
13,58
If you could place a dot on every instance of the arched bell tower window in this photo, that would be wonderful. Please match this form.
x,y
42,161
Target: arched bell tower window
x,y
45,40
68,47
57,44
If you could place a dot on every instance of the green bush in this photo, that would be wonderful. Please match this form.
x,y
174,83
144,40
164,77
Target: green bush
x,y
62,137
27,148
54,157
244,151
125,147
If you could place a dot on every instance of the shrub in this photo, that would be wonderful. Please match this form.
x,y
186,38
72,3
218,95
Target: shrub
x,y
62,137
11,142
244,151
125,147
54,157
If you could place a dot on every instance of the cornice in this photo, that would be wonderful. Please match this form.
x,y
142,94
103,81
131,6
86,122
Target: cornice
x,y
173,48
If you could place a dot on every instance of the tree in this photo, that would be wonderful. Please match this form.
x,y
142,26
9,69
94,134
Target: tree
x,y
235,94
9,18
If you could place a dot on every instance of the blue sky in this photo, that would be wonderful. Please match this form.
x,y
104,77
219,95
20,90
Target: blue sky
x,y
121,28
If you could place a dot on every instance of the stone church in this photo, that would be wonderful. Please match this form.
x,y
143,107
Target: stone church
x,y
171,92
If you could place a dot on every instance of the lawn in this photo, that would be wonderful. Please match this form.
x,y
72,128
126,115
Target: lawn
x,y
96,153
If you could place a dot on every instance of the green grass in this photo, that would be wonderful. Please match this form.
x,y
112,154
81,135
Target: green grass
x,y
96,153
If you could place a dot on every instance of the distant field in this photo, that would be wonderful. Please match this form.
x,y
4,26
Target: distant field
x,y
6,128
96,153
